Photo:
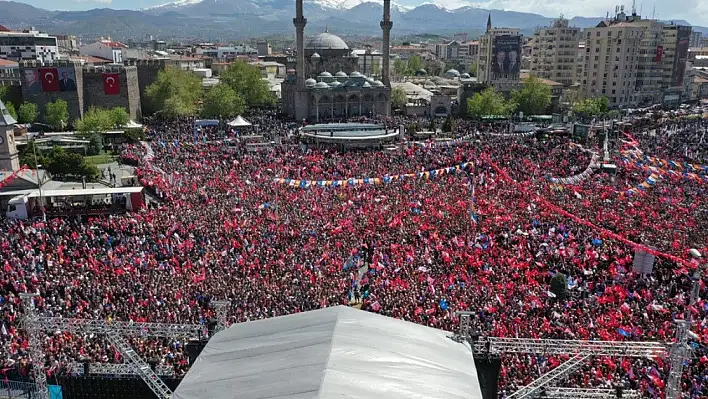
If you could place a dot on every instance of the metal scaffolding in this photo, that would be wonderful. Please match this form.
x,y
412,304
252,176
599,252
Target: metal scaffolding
x,y
36,351
587,393
116,369
143,369
498,346
533,389
124,328
221,308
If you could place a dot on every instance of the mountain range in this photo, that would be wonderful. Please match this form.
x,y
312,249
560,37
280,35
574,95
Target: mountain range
x,y
223,20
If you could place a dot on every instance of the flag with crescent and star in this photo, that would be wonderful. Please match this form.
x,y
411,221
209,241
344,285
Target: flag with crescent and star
x,y
50,79
110,84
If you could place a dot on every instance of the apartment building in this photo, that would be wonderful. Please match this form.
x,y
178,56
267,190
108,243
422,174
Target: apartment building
x,y
695,40
462,52
610,61
499,58
554,51
649,61
675,44
29,45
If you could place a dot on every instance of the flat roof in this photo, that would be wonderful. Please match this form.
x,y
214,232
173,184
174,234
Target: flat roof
x,y
80,192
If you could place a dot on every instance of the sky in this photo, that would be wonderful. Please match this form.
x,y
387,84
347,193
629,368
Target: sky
x,y
693,11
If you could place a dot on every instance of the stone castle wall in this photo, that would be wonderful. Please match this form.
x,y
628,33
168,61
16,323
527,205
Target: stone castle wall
x,y
128,97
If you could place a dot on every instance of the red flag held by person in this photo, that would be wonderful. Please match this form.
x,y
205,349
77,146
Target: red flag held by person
x,y
50,79
111,85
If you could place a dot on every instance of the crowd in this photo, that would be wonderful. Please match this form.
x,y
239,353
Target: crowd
x,y
484,239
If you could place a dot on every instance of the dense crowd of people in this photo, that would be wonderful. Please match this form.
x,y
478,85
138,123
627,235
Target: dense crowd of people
x,y
483,238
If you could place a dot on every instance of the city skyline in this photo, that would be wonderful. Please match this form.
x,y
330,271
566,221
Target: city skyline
x,y
693,11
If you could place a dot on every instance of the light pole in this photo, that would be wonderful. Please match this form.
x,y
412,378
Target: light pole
x,y
681,352
39,181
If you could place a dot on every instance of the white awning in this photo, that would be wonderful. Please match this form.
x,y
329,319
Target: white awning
x,y
239,122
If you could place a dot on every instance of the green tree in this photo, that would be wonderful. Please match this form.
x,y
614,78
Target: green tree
x,y
432,127
414,63
61,164
447,125
56,114
119,116
28,113
133,135
591,106
534,98
95,120
27,155
222,101
398,97
246,81
95,145
472,69
11,110
4,93
487,103
559,286
175,92
400,67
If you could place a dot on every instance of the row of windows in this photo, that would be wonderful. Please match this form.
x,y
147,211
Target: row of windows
x,y
27,41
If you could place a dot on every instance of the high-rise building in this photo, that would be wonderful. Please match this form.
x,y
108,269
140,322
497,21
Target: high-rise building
x,y
649,61
554,52
610,63
696,38
675,54
28,46
499,58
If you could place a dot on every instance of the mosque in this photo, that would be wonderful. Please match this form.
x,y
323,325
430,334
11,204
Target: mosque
x,y
326,83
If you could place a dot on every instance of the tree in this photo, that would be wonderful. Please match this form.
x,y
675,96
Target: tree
x,y
56,114
472,69
11,110
222,101
95,145
133,135
175,92
28,113
61,163
400,67
399,99
534,98
591,106
559,286
447,126
119,116
95,120
246,81
414,63
432,127
27,155
487,103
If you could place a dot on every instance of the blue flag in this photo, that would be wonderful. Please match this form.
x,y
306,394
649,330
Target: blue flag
x,y
624,333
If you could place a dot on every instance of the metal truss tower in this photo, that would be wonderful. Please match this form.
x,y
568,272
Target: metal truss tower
x,y
587,393
221,308
36,351
143,369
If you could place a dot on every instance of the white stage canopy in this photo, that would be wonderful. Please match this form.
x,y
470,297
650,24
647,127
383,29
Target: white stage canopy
x,y
239,122
332,353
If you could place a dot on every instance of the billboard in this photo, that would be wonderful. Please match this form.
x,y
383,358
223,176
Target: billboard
x,y
506,55
683,37
33,85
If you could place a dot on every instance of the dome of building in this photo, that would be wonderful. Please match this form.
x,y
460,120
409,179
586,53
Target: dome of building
x,y
315,56
366,84
355,55
321,85
421,72
351,83
340,74
465,76
310,82
378,83
356,74
452,72
326,41
325,74
335,84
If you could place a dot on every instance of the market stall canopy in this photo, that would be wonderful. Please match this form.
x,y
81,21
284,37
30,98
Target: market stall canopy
x,y
239,122
334,352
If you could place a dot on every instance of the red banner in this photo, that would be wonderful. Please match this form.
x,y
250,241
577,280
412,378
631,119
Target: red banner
x,y
111,85
49,78
659,54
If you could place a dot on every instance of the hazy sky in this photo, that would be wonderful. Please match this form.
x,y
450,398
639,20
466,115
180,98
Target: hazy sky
x,y
693,11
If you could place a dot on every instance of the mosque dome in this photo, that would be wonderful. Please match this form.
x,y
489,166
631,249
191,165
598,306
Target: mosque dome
x,y
421,72
321,85
356,74
310,82
335,84
340,74
378,83
453,73
315,56
366,84
465,76
325,74
326,41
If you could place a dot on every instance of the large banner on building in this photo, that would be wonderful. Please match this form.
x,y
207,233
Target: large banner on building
x,y
683,37
110,84
67,79
33,85
506,55
659,53
50,79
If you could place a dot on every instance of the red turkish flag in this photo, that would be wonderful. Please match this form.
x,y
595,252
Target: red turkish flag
x,y
49,78
111,85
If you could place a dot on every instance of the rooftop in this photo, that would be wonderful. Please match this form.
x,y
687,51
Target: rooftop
x,y
8,64
525,75
326,41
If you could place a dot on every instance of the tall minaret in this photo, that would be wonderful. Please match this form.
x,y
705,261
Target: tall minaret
x,y
489,22
386,25
300,21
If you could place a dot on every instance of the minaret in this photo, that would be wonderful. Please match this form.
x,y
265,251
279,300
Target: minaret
x,y
300,21
489,22
386,25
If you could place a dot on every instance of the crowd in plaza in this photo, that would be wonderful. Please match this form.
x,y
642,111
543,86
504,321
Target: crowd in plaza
x,y
483,236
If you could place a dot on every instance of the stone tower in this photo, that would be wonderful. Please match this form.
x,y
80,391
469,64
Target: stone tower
x,y
386,25
9,160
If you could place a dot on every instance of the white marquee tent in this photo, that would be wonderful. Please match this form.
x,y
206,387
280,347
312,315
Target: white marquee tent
x,y
239,122
332,353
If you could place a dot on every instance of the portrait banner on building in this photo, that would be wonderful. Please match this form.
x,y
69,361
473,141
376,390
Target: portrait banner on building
x,y
506,55
659,54
111,85
33,85
683,37
67,79
50,79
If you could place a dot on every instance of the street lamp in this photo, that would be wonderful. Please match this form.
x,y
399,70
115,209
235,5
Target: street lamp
x,y
39,186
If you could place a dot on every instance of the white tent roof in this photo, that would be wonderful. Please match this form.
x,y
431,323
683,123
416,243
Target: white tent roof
x,y
133,125
332,353
239,121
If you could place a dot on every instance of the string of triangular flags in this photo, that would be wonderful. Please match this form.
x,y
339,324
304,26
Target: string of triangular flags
x,y
443,144
633,159
427,175
7,178
579,177
524,134
665,163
